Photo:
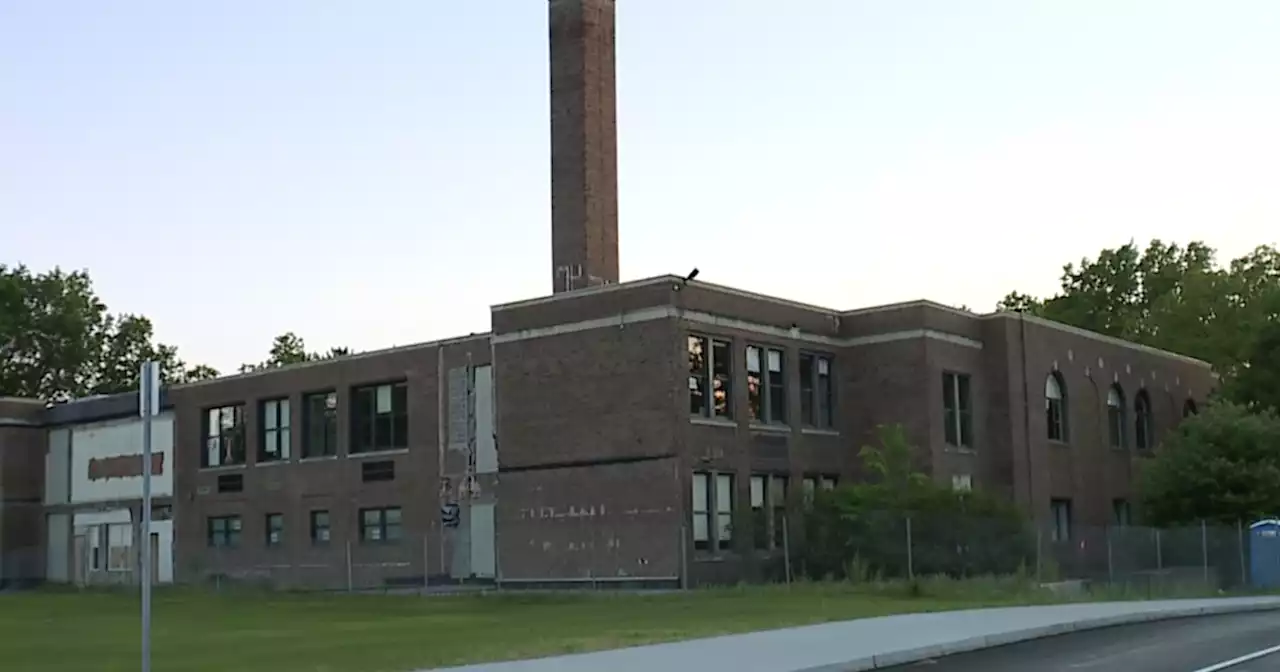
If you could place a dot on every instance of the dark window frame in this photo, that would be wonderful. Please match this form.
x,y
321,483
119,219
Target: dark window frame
x,y
1143,422
957,409
275,430
766,385
1117,417
382,524
224,434
374,431
710,371
817,390
1057,426
1060,519
225,529
320,424
320,520
273,530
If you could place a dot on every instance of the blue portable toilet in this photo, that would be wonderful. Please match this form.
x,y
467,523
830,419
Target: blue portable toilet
x,y
1264,554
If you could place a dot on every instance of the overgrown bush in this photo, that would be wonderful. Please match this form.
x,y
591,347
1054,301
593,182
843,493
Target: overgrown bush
x,y
860,532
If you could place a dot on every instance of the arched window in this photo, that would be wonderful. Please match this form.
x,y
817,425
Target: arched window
x,y
1055,407
1142,430
1189,408
1115,416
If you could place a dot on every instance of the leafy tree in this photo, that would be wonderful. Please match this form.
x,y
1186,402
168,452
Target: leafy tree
x,y
1220,465
862,528
59,341
289,348
1170,297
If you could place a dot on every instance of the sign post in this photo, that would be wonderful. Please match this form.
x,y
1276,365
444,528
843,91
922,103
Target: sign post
x,y
148,407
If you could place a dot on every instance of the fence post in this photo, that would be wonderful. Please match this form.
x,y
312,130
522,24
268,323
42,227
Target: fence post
x,y
1204,550
1244,572
786,548
684,557
1159,553
911,561
350,580
426,560
1111,568
1039,561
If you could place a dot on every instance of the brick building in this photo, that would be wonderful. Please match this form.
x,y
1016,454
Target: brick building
x,y
656,431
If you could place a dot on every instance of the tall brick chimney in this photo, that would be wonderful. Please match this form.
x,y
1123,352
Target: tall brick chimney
x,y
584,144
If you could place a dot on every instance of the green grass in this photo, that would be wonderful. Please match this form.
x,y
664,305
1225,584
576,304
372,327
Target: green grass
x,y
250,632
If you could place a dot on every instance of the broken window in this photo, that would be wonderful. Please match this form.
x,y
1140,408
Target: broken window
x,y
710,378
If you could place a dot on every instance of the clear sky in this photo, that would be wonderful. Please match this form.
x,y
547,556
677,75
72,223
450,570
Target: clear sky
x,y
375,172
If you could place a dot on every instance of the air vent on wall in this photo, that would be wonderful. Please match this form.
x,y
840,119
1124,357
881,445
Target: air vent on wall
x,y
384,470
231,483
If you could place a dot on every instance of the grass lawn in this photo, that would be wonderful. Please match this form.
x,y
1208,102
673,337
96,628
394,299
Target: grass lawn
x,y
192,631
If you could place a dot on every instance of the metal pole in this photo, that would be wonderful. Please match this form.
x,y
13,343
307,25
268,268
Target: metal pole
x,y
1039,561
350,580
786,548
684,557
1159,553
149,394
1111,568
1244,572
911,566
426,559
1204,550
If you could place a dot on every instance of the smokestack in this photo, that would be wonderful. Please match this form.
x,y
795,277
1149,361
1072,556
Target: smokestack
x,y
584,144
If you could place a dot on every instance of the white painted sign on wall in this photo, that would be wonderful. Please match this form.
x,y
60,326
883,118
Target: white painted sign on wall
x,y
106,460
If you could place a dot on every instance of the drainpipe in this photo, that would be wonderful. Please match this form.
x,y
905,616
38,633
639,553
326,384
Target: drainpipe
x,y
1026,410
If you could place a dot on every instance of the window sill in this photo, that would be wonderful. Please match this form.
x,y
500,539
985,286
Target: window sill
x,y
1059,443
961,450
771,429
711,422
713,556
378,453
816,431
271,463
224,467
319,458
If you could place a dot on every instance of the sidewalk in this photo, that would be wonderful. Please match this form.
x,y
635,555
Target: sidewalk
x,y
866,644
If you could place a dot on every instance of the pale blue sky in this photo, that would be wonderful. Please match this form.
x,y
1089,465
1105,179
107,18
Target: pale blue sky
x,y
375,172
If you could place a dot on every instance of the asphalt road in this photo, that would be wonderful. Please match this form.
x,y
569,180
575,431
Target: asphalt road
x,y
1183,645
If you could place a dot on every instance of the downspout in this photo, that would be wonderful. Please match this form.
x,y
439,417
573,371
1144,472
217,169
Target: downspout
x,y
1026,409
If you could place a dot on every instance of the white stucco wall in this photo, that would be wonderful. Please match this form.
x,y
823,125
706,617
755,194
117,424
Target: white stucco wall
x,y
118,439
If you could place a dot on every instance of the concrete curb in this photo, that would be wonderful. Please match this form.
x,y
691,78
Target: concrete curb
x,y
907,656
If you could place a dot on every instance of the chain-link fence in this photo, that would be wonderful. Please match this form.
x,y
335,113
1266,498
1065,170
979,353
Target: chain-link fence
x,y
877,544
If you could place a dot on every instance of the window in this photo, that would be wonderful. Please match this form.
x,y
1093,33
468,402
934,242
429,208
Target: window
x,y
827,482
1189,408
230,482
1055,407
1061,512
274,439
1120,510
95,547
808,487
724,511
224,532
702,512
379,418
710,378
760,511
224,436
380,526
815,391
320,418
1142,421
275,529
767,388
119,547
1115,416
319,527
371,472
778,504
957,407
962,482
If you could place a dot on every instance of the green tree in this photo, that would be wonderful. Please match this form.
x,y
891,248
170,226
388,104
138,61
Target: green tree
x,y
59,341
289,348
1220,465
862,528
1167,296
